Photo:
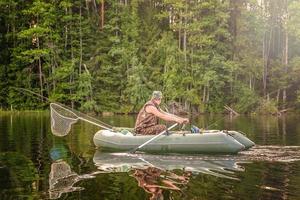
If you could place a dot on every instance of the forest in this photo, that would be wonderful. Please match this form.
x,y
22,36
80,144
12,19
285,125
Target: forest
x,y
109,55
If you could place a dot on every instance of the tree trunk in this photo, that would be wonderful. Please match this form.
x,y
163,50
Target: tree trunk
x,y
87,7
102,11
184,48
204,94
14,30
264,64
179,31
95,6
40,67
207,96
277,97
284,95
185,37
53,67
66,31
267,62
72,60
250,82
101,14
80,35
234,13
41,78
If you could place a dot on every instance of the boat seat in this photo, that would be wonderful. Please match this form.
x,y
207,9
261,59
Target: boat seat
x,y
126,130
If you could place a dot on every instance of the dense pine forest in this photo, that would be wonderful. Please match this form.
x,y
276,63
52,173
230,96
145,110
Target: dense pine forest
x,y
109,55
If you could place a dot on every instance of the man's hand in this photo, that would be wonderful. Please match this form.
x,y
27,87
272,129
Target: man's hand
x,y
186,120
182,120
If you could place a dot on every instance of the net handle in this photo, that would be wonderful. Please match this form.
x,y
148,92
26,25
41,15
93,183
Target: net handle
x,y
99,125
81,118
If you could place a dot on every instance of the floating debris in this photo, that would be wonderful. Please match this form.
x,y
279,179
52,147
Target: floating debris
x,y
268,153
268,188
271,153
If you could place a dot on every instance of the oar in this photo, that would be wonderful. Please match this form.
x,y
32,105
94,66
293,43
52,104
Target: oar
x,y
147,142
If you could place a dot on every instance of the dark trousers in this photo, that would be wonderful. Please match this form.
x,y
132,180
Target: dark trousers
x,y
152,130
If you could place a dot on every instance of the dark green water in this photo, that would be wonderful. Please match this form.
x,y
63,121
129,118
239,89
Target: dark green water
x,y
34,164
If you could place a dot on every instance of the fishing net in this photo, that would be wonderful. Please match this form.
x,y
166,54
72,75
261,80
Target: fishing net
x,y
61,119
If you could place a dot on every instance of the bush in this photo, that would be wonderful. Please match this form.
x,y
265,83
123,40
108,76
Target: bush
x,y
247,100
266,107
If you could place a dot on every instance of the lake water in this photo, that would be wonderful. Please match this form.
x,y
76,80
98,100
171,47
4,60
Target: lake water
x,y
34,164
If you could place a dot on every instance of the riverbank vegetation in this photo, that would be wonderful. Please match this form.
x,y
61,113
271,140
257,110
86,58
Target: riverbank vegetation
x,y
109,55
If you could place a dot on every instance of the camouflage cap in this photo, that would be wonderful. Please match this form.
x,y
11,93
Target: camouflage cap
x,y
157,95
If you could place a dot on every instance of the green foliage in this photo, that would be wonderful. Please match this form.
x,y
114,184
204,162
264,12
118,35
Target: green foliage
x,y
246,100
137,91
203,54
266,107
3,85
20,173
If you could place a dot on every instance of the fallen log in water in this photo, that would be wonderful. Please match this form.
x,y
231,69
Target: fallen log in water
x,y
231,111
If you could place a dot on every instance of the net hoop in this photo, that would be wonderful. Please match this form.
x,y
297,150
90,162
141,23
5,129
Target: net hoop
x,y
62,119
53,110
61,125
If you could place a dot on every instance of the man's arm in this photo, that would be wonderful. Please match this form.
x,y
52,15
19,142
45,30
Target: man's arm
x,y
164,112
165,116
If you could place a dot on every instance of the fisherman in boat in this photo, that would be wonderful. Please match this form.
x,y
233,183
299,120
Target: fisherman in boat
x,y
148,117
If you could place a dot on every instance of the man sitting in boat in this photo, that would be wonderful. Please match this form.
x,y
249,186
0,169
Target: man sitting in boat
x,y
147,119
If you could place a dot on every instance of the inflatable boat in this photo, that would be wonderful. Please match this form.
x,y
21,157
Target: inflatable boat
x,y
210,141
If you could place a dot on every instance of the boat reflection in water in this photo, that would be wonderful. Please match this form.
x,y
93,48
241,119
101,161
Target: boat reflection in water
x,y
61,176
157,173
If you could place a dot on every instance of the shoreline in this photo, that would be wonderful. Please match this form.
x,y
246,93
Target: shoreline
x,y
105,114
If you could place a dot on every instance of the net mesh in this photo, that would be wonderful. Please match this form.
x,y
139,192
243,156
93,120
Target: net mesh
x,y
62,179
61,119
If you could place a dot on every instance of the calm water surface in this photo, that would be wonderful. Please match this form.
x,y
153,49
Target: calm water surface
x,y
34,164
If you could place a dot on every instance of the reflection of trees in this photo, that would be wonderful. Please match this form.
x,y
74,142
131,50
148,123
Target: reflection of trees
x,y
261,180
155,181
17,171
